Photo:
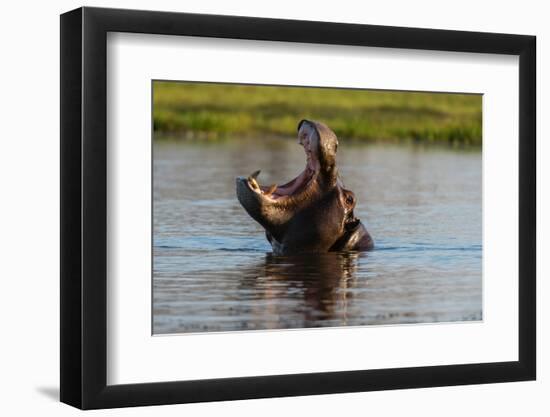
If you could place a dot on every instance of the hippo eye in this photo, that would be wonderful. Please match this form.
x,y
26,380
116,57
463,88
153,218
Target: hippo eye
x,y
349,200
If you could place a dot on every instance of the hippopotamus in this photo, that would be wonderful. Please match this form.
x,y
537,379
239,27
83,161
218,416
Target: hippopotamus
x,y
313,213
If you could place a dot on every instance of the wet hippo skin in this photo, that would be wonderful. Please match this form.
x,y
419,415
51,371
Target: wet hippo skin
x,y
313,213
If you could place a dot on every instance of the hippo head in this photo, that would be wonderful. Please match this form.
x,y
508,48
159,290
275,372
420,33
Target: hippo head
x,y
313,212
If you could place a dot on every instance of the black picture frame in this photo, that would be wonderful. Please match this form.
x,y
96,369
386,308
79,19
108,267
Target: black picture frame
x,y
84,207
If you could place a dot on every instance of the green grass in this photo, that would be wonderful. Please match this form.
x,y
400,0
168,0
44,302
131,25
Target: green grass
x,y
200,110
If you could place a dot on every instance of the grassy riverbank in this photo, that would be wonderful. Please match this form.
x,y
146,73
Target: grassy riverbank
x,y
198,110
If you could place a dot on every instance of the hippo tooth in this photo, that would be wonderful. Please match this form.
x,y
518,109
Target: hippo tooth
x,y
271,189
252,179
254,183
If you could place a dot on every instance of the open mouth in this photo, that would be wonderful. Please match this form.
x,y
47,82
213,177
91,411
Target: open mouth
x,y
291,188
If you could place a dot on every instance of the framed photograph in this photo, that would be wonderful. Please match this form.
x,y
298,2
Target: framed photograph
x,y
257,208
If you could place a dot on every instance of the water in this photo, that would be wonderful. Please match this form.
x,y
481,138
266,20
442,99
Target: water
x,y
213,270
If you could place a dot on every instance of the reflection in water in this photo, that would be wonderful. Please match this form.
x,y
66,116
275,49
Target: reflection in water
x,y
322,283
212,267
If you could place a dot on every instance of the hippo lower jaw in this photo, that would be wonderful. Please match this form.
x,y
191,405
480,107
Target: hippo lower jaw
x,y
274,205
281,193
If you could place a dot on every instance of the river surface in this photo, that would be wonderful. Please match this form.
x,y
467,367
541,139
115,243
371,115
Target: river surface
x,y
213,269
